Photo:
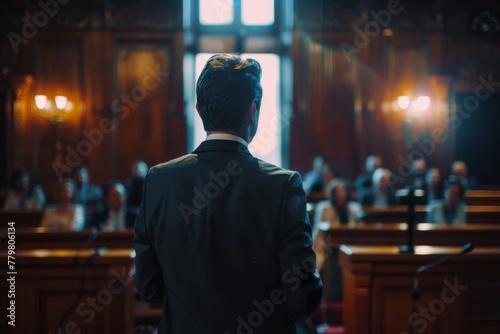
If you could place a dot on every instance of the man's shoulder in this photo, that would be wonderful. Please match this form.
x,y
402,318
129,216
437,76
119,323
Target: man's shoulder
x,y
276,171
179,162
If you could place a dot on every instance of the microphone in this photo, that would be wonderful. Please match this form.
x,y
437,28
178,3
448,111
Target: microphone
x,y
467,248
87,243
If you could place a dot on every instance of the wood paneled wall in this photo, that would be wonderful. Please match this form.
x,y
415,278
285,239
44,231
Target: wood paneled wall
x,y
346,81
101,51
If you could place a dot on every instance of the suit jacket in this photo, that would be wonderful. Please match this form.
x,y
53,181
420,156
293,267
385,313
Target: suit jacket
x,y
223,242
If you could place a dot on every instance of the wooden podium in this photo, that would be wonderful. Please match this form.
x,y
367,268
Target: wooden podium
x,y
47,283
460,296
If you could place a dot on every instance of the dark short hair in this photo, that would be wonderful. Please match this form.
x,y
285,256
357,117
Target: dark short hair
x,y
225,89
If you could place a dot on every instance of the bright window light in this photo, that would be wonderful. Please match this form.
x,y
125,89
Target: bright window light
x,y
216,12
403,102
267,142
257,12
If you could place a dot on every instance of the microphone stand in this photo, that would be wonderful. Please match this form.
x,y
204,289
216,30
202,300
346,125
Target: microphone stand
x,y
83,277
416,292
408,196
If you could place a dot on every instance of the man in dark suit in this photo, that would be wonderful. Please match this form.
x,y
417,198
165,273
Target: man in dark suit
x,y
223,240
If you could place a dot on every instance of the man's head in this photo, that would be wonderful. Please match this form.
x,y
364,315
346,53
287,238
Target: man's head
x,y
419,166
139,169
229,95
433,177
373,162
459,169
80,175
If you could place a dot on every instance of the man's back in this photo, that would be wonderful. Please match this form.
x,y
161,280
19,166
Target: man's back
x,y
223,242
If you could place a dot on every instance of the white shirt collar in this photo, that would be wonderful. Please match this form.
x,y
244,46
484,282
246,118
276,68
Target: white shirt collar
x,y
226,136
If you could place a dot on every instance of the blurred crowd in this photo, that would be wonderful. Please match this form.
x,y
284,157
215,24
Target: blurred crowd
x,y
115,205
80,204
340,201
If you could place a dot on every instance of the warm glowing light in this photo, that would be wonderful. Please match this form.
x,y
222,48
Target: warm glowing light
x,y
61,102
403,102
422,103
257,12
41,101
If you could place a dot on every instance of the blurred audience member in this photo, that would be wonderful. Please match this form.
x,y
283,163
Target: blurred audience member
x,y
381,195
118,215
22,194
417,177
451,210
434,185
459,170
364,182
64,214
135,184
314,179
86,194
338,208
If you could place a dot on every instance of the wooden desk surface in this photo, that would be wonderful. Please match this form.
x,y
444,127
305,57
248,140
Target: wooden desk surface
x,y
425,234
44,238
422,253
61,257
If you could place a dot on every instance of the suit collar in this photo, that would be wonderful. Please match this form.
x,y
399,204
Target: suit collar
x,y
222,145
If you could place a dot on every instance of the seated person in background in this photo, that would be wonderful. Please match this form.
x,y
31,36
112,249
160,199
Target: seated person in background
x,y
451,209
417,177
87,195
434,185
364,182
459,171
22,194
135,184
381,195
338,208
314,179
65,214
117,215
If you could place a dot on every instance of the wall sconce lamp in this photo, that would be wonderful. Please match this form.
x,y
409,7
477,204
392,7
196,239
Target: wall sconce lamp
x,y
54,112
413,108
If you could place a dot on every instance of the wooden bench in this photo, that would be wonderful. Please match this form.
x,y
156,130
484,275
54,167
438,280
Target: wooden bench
x,y
396,214
22,218
43,238
425,234
482,197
